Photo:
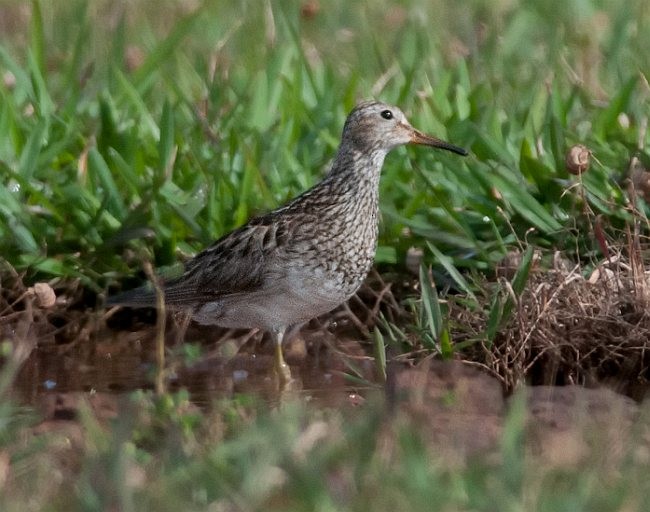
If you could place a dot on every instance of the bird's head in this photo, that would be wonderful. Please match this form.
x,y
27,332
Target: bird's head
x,y
373,125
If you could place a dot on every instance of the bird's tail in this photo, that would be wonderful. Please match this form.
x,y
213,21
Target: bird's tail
x,y
177,294
143,297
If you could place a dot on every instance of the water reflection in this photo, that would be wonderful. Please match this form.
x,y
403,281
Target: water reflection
x,y
119,362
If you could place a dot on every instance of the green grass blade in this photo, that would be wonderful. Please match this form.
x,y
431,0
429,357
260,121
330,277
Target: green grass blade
x,y
37,37
133,96
163,52
99,171
446,346
430,305
31,151
380,354
42,101
518,284
521,276
523,202
448,264
494,317
166,147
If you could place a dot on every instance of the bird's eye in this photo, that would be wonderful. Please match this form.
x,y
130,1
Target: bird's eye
x,y
386,114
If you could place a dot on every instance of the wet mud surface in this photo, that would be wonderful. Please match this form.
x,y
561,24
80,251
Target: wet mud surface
x,y
207,365
461,410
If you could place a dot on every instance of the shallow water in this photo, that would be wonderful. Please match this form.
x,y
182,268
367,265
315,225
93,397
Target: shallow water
x,y
118,362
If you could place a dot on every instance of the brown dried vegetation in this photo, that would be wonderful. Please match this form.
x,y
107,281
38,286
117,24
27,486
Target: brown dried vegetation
x,y
568,327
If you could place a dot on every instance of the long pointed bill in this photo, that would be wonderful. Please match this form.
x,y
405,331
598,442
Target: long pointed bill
x,y
417,137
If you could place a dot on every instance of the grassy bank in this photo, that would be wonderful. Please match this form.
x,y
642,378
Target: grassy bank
x,y
160,129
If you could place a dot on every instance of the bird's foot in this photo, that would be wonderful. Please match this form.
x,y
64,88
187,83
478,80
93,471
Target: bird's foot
x,y
283,373
281,368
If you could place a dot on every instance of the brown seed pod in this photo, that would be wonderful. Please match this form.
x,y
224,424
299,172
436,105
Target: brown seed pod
x,y
134,57
45,296
578,159
310,9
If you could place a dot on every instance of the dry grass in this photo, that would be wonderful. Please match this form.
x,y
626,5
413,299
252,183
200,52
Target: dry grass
x,y
569,327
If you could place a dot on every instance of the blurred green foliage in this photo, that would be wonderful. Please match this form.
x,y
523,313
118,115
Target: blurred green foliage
x,y
162,453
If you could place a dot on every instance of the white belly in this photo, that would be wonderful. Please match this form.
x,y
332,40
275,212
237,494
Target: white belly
x,y
292,301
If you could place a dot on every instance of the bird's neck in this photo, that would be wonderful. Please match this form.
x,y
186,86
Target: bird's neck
x,y
354,169
351,185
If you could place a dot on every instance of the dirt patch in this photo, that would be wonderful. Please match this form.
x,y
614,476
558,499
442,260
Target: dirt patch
x,y
463,414
459,409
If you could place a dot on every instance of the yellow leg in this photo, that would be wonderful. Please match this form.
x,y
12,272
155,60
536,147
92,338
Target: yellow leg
x,y
281,368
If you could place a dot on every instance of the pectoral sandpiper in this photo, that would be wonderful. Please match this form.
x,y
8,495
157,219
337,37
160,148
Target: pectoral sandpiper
x,y
303,259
